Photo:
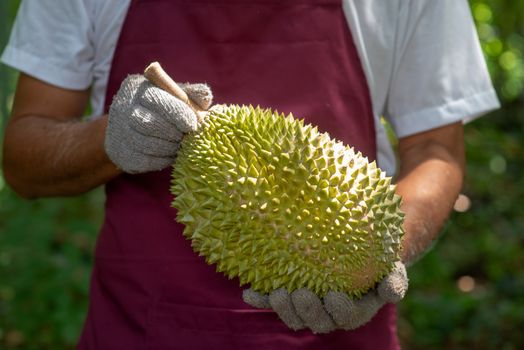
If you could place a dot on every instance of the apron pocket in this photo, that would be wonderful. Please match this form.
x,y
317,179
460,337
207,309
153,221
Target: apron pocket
x,y
176,326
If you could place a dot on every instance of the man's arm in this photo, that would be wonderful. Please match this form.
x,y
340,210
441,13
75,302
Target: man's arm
x,y
48,150
431,173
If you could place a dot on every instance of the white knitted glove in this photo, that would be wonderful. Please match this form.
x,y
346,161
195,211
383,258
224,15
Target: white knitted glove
x,y
303,309
146,124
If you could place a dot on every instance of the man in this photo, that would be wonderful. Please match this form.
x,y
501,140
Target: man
x,y
340,65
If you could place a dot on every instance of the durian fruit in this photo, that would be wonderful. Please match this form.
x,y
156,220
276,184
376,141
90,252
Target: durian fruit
x,y
276,203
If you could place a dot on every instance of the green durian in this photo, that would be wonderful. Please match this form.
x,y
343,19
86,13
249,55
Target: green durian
x,y
274,202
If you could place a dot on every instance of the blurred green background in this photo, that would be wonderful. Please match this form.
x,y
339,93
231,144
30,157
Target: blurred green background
x,y
468,292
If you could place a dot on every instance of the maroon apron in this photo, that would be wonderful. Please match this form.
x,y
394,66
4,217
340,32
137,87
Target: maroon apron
x,y
149,290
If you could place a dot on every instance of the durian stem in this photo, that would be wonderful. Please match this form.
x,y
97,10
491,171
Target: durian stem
x,y
156,75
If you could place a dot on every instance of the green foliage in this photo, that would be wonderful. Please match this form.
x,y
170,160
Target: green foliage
x,y
500,27
7,78
45,260
465,293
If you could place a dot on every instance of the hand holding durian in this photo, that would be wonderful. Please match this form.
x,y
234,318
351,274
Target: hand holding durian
x,y
302,308
146,124
283,207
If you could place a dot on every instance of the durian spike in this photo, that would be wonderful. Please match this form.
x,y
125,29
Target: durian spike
x,y
158,76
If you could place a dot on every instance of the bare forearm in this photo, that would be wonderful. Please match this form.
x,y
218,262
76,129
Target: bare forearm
x,y
49,157
429,183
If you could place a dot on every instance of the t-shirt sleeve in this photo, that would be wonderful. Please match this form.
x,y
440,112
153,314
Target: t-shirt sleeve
x,y
51,41
439,73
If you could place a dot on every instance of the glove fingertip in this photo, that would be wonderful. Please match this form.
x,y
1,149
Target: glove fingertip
x,y
183,117
310,309
393,288
255,299
200,93
340,307
282,304
190,122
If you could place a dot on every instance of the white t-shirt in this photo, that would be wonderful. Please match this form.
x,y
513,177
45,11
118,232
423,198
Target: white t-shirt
x,y
422,58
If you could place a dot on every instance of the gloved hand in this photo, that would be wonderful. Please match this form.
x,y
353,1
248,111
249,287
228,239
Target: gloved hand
x,y
146,124
303,309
